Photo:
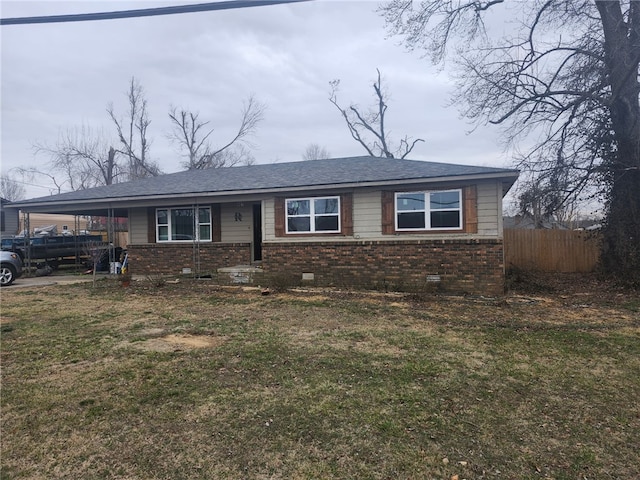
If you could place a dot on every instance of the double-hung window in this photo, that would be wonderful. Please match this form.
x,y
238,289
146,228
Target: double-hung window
x,y
313,215
184,224
437,210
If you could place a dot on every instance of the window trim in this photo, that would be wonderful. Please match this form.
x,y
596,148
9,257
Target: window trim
x,y
427,211
312,216
196,224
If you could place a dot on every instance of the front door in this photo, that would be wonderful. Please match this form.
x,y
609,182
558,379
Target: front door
x,y
257,232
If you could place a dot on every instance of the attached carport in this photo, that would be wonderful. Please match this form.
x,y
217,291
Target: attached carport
x,y
56,205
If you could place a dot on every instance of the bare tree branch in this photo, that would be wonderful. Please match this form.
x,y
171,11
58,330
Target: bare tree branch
x,y
132,133
252,115
350,125
31,172
192,136
84,157
371,124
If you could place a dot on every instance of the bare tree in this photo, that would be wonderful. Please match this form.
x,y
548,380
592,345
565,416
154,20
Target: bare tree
x,y
190,134
237,155
315,152
568,80
193,137
368,129
10,188
132,133
95,252
84,158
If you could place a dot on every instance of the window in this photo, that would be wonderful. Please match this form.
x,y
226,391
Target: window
x,y
186,224
313,215
439,210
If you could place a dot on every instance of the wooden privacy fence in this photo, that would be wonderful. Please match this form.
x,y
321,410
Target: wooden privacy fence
x,y
551,250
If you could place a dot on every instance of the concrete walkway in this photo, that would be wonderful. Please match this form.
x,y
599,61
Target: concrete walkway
x,y
48,280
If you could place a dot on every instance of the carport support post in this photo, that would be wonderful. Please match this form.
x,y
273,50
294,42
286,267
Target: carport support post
x,y
110,239
76,232
27,240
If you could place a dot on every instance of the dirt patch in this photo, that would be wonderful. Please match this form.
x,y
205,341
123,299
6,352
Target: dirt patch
x,y
175,342
193,341
304,296
5,320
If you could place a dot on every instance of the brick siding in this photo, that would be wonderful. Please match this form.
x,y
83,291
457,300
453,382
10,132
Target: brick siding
x,y
171,258
465,266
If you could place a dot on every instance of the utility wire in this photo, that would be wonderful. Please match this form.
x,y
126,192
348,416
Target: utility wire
x,y
31,184
144,12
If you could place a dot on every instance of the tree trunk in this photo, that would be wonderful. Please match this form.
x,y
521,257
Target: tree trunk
x,y
621,236
111,166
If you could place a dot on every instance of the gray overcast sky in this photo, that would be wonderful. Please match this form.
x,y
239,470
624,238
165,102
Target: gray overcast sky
x,y
59,76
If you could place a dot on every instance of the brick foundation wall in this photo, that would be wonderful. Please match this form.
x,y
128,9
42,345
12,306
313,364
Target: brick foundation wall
x,y
465,266
171,258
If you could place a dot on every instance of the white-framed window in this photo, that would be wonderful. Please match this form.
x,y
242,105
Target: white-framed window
x,y
313,215
183,224
436,210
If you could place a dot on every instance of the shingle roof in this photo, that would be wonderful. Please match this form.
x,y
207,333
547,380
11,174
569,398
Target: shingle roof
x,y
313,173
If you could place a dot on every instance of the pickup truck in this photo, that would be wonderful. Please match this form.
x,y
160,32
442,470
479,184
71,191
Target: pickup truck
x,y
54,250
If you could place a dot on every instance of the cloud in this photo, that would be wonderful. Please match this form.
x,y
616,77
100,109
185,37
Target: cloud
x,y
59,76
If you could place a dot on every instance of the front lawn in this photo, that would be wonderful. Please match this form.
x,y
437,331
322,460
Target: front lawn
x,y
192,381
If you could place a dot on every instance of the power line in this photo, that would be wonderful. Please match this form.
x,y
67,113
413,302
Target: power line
x,y
33,184
144,12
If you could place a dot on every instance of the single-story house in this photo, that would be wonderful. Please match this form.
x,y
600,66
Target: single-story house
x,y
58,224
366,222
9,219
528,222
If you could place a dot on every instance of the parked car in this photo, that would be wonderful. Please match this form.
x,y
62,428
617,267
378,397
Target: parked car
x,y
10,267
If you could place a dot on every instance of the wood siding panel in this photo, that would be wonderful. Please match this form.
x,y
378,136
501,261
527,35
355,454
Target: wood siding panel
x,y
151,225
470,208
367,215
236,223
216,227
138,225
278,212
489,208
268,232
346,213
10,222
388,212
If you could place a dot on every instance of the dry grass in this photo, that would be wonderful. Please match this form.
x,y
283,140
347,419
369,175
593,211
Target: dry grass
x,y
192,381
